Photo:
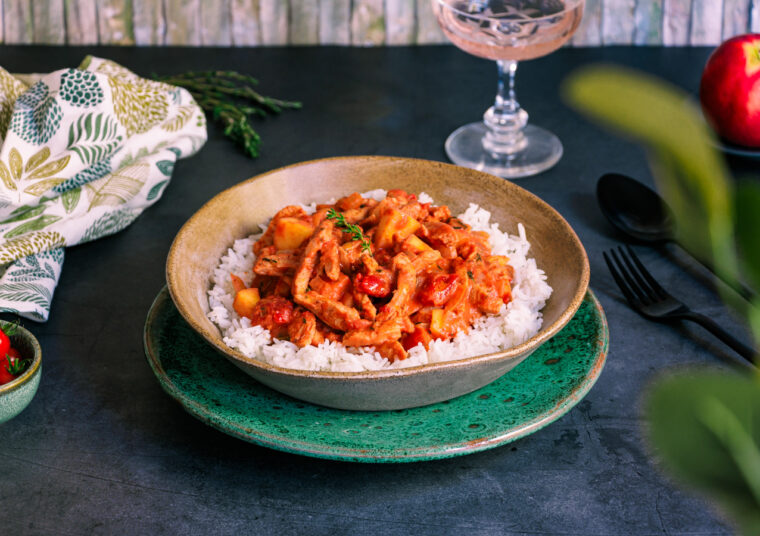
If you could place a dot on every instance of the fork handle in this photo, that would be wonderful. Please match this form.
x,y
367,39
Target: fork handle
x,y
737,286
709,324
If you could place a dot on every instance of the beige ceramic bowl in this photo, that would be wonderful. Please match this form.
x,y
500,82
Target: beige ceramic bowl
x,y
236,213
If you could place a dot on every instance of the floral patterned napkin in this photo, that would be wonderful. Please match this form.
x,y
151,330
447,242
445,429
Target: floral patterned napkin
x,y
83,152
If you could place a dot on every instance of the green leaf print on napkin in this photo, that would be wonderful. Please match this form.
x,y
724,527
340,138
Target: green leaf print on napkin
x,y
36,171
93,137
80,88
140,104
33,225
24,213
156,190
37,115
10,90
184,114
84,154
94,172
70,199
118,187
27,245
110,223
165,166
26,292
37,266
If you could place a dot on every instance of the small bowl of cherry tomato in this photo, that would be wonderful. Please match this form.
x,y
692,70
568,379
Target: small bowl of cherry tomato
x,y
20,369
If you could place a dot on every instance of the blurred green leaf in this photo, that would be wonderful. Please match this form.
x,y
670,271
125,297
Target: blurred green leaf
x,y
691,176
706,427
747,228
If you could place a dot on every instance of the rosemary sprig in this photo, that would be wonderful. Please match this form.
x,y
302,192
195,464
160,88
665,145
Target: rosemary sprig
x,y
229,97
354,230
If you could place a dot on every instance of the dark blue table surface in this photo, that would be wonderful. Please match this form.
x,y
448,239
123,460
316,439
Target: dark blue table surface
x,y
103,450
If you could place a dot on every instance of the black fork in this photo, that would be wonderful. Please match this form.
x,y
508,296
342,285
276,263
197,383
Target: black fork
x,y
651,301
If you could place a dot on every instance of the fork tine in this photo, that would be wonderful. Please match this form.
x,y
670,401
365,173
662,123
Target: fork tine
x,y
627,292
641,294
651,280
646,289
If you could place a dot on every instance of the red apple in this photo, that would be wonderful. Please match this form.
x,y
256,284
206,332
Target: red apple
x,y
730,90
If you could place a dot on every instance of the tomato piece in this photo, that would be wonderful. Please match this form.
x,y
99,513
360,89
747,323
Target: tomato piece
x,y
373,285
272,313
282,313
419,335
438,289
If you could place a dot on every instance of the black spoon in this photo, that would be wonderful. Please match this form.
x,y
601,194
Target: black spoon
x,y
641,214
634,209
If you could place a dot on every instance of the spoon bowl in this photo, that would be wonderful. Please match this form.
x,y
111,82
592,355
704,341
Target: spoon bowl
x,y
634,209
640,214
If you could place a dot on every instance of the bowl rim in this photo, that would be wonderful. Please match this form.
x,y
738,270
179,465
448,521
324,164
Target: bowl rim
x,y
544,334
34,365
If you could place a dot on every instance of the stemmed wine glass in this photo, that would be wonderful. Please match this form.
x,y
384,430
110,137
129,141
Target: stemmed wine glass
x,y
507,31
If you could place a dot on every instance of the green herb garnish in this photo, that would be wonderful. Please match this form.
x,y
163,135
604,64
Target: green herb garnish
x,y
469,274
16,367
231,100
10,328
354,230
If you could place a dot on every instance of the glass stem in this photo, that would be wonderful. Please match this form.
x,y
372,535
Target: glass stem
x,y
505,120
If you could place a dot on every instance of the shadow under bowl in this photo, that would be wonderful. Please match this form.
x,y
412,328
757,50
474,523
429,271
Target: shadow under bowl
x,y
237,212
17,394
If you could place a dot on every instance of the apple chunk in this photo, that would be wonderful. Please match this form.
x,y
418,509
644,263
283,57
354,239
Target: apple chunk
x,y
438,328
290,233
413,244
394,224
245,300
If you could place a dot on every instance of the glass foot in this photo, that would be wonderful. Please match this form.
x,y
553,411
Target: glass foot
x,y
540,152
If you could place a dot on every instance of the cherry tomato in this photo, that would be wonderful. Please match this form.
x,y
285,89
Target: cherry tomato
x,y
438,288
11,363
373,285
5,344
5,376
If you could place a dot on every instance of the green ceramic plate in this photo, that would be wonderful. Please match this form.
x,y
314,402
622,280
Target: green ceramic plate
x,y
538,391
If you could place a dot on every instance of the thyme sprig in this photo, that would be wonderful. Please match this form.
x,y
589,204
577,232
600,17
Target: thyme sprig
x,y
354,230
229,97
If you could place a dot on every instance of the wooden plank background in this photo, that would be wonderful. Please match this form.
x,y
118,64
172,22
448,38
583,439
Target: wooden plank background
x,y
345,22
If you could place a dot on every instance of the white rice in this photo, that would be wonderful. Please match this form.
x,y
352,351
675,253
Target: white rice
x,y
515,323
